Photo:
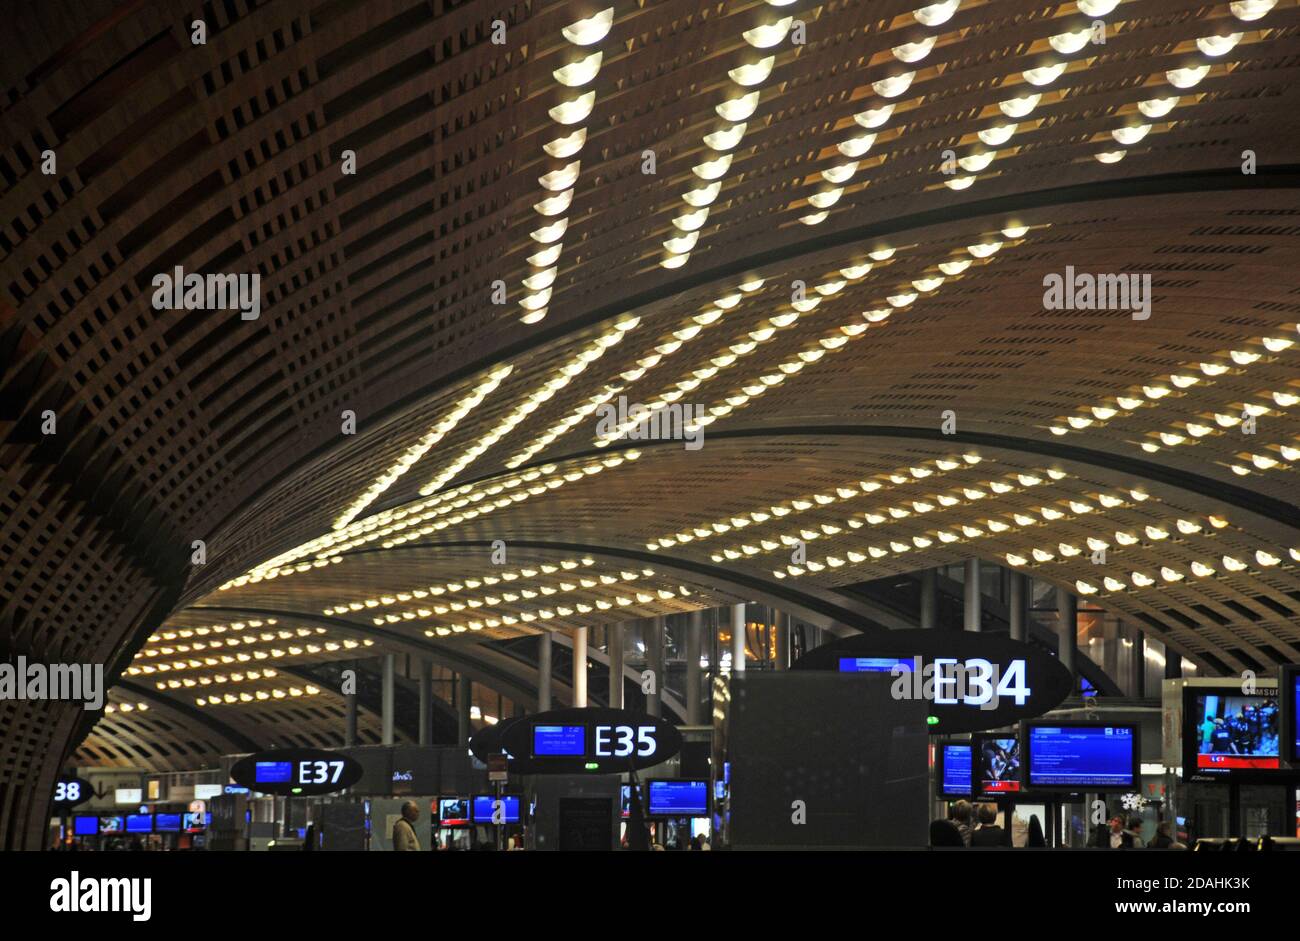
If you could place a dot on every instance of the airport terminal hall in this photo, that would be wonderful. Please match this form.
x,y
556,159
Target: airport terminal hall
x,y
855,439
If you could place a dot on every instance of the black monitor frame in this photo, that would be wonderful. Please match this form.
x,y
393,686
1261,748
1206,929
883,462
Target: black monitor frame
x,y
939,745
977,745
708,797
1190,733
523,810
1288,677
1026,758
469,811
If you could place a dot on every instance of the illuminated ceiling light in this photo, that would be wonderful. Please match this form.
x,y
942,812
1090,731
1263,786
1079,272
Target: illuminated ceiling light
x,y
1218,45
1021,106
1044,74
856,146
1277,344
1198,431
1069,43
974,163
1243,357
826,199
1128,136
753,284
692,221
998,135
1103,412
874,117
1042,555
535,301
726,139
751,73
958,182
814,218
1285,399
925,285
1263,462
561,179
1138,495
591,30
1171,439
954,267
1170,575
1110,156
1233,565
1184,382
1128,402
1084,588
1141,580
1250,408
1113,584
841,173
682,244
579,73
1155,392
1157,107
674,261
1125,539
881,254
1218,522
1096,7
893,86
574,110
1266,558
738,109
550,233
546,257
1201,570
936,14
540,280
1188,77
902,299
554,205
984,249
769,34
713,169
914,51
1078,422
1016,560
702,196
1247,10
564,147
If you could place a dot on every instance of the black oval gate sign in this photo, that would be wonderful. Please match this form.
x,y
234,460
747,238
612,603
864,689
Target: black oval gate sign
x,y
595,740
296,772
972,680
69,792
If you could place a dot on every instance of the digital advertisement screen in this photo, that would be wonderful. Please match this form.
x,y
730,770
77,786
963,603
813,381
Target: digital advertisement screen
x,y
483,808
111,825
194,822
167,823
997,769
454,812
139,823
1235,732
625,794
873,664
274,772
679,798
1100,757
559,741
955,769
83,825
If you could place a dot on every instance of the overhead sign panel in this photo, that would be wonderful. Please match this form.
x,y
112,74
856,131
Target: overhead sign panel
x,y
297,772
565,741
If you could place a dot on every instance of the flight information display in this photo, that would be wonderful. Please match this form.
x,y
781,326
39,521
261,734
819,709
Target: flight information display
x,y
167,823
955,763
139,823
1294,693
679,798
998,764
874,664
1236,732
1100,757
484,805
273,772
562,741
83,825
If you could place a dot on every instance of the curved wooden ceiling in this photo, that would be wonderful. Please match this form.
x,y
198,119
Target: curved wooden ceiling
x,y
841,293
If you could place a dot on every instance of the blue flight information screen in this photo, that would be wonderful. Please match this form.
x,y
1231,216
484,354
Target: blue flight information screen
x,y
139,823
273,772
167,823
873,664
483,808
1100,757
559,741
956,769
679,798
85,826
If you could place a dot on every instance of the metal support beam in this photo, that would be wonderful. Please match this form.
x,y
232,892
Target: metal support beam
x,y
973,596
654,659
426,703
1018,605
387,706
694,652
544,671
782,640
614,650
737,638
929,598
464,702
580,667
1067,630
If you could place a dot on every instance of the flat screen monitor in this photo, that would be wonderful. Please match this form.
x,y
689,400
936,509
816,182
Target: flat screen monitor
x,y
1230,732
678,798
453,812
273,772
625,800
139,823
111,825
1081,756
874,664
167,823
953,770
483,807
85,825
1289,690
559,741
194,822
996,760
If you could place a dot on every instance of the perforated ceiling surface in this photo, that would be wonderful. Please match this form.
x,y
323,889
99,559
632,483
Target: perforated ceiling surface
x,y
827,226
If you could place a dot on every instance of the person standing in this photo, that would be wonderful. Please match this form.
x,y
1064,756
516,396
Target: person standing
x,y
404,836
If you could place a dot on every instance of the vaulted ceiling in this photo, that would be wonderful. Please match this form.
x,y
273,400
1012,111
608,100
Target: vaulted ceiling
x,y
827,226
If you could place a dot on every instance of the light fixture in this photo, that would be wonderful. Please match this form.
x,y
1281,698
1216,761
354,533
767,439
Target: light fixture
x,y
1110,156
1071,42
1218,45
591,30
936,14
702,196
1187,77
998,135
561,179
856,146
713,169
893,86
1130,135
768,34
579,73
1044,74
874,117
726,139
738,109
914,51
574,110
1019,107
752,73
841,173
1096,7
1158,107
564,147
1247,10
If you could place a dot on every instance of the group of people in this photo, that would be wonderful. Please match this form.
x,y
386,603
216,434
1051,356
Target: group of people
x,y
1126,834
1251,731
978,825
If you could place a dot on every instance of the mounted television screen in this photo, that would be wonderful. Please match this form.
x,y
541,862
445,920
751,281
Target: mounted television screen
x,y
1289,690
454,812
85,825
952,771
1231,732
625,794
483,807
139,823
111,825
194,822
678,798
1079,756
996,758
167,823
559,741
273,772
874,664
